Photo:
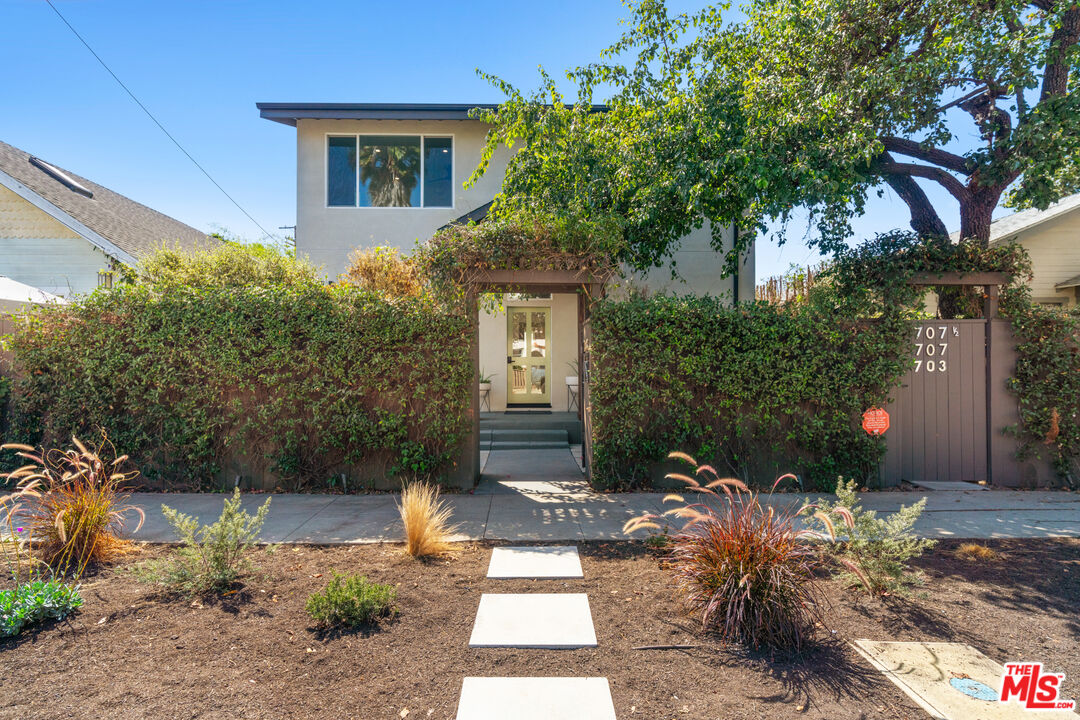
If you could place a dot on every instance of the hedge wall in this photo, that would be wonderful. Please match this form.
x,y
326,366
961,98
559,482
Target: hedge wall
x,y
758,390
298,383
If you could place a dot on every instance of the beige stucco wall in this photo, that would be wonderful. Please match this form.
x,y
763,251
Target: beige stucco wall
x,y
1054,247
37,250
563,343
328,235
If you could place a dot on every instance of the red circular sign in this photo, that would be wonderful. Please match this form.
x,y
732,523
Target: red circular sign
x,y
875,421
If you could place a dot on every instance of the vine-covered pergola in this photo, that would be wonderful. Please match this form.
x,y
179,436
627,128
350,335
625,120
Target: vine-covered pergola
x,y
589,286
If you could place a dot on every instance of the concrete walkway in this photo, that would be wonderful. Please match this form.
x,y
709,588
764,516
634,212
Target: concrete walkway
x,y
523,513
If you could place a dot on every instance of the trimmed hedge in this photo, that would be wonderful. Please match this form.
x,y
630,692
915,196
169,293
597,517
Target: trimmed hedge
x,y
303,382
756,391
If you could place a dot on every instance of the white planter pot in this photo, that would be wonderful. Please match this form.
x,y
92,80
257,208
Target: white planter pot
x,y
485,386
571,380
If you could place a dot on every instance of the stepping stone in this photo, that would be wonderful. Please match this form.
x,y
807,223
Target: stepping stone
x,y
951,681
532,698
534,620
535,562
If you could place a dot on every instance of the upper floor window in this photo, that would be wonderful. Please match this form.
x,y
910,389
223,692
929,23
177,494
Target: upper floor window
x,y
389,171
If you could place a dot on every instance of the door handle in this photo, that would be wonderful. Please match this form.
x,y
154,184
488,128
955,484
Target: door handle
x,y
509,360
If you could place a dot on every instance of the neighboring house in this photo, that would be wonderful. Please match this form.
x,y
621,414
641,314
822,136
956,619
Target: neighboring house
x,y
392,174
63,234
1052,239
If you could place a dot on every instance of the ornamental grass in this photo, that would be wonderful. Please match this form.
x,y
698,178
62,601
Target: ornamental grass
x,y
743,569
426,520
76,508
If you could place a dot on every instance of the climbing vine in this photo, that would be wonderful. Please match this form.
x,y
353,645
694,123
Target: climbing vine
x,y
762,389
197,383
1047,382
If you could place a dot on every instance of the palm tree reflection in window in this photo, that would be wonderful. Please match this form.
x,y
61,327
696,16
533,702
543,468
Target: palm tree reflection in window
x,y
390,171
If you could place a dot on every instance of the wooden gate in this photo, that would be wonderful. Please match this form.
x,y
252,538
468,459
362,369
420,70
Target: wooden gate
x,y
938,430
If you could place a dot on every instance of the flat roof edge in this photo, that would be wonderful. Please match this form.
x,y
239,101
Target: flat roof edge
x,y
289,113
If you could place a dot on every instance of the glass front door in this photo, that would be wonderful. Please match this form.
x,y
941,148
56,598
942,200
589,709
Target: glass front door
x,y
528,355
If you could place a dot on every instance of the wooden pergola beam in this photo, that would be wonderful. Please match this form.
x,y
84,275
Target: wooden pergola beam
x,y
961,278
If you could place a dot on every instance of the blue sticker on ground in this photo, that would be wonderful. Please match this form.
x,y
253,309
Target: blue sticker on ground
x,y
975,689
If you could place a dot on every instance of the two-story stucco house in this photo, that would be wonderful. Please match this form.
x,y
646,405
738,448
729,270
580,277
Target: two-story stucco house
x,y
375,174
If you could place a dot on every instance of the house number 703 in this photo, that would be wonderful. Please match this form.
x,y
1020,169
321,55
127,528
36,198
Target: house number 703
x,y
932,346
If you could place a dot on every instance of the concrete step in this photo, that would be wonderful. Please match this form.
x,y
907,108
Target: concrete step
x,y
527,445
530,434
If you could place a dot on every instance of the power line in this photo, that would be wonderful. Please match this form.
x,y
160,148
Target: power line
x,y
158,123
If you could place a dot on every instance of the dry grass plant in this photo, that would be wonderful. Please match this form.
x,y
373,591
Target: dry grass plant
x,y
427,521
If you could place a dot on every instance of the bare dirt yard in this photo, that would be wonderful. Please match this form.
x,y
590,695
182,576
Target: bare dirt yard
x,y
132,652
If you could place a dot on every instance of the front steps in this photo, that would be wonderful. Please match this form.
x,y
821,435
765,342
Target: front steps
x,y
497,439
529,431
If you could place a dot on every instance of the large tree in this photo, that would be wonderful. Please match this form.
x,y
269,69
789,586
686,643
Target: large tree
x,y
807,103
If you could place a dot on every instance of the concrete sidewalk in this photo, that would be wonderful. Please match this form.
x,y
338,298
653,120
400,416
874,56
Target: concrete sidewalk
x,y
576,515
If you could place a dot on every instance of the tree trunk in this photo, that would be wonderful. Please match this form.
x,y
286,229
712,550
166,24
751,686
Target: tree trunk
x,y
976,215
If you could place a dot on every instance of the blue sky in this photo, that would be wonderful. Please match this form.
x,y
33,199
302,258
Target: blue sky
x,y
201,66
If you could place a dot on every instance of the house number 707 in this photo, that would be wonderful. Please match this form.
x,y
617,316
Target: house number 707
x,y
931,355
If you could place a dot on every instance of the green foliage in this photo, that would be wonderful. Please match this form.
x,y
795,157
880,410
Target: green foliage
x,y
213,556
1047,381
810,104
351,601
874,551
755,389
300,378
229,264
520,240
34,602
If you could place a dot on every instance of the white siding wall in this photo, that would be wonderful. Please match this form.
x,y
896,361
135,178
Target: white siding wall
x,y
1054,247
37,250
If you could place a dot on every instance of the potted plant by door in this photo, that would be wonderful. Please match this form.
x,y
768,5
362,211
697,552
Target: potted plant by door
x,y
485,381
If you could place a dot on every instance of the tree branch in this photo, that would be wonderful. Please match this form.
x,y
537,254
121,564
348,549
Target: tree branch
x,y
954,186
1056,74
944,158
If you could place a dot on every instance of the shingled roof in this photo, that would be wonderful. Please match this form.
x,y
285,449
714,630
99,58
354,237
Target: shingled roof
x,y
93,211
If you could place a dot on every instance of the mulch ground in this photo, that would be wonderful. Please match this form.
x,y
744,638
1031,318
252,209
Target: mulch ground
x,y
133,653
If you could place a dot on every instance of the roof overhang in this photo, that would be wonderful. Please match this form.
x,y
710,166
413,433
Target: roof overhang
x,y
1070,283
289,113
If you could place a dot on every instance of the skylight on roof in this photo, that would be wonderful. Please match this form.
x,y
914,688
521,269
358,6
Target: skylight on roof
x,y
62,177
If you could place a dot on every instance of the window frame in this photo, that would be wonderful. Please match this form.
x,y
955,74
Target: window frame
x,y
356,169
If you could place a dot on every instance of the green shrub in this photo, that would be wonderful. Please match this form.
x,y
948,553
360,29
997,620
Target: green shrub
x,y
299,382
35,601
873,551
743,569
213,556
227,264
753,389
350,601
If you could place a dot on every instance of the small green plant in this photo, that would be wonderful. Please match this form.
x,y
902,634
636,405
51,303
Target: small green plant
x,y
34,602
745,570
351,601
873,551
485,377
213,556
